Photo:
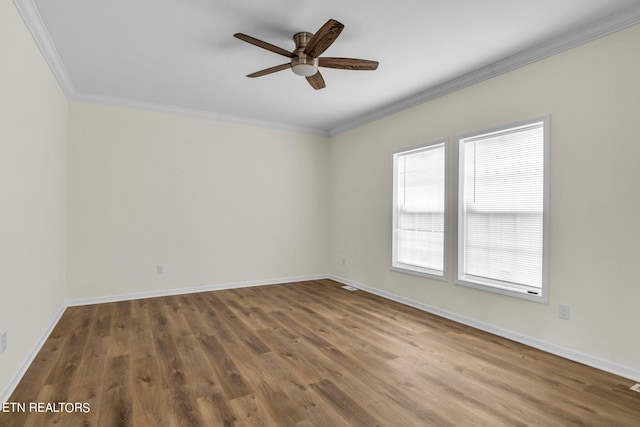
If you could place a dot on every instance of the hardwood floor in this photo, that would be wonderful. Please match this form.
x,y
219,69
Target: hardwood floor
x,y
303,354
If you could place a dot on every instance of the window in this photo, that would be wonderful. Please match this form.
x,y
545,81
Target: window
x,y
419,217
502,230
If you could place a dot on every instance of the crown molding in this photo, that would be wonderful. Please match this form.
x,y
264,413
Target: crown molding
x,y
32,19
611,24
190,112
577,37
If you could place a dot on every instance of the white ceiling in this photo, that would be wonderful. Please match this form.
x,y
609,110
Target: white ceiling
x,y
180,55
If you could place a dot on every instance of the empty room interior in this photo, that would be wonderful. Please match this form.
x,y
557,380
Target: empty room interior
x,y
300,213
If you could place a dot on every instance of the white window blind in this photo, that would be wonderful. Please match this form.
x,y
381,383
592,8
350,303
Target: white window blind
x,y
419,210
501,206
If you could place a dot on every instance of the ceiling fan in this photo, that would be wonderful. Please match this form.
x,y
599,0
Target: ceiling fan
x,y
305,58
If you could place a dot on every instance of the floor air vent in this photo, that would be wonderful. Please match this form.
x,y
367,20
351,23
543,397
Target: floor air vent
x,y
350,288
636,388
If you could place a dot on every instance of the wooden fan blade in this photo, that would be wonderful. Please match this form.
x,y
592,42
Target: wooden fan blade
x,y
269,70
262,44
316,81
325,36
348,63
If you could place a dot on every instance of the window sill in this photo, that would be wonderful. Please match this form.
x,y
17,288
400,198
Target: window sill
x,y
417,271
542,298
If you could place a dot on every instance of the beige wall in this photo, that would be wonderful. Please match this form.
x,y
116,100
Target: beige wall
x,y
33,114
593,95
214,203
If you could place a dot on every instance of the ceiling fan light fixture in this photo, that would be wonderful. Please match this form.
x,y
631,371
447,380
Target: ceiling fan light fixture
x,y
304,65
304,69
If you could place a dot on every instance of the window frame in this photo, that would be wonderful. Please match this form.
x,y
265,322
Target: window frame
x,y
495,286
407,268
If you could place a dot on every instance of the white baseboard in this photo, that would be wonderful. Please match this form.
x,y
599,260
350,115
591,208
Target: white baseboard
x,y
6,393
576,356
191,290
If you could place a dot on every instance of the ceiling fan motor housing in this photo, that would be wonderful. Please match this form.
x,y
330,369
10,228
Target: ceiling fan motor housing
x,y
301,63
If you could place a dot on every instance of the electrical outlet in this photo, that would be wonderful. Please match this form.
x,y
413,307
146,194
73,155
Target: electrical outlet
x,y
344,262
159,269
563,312
3,342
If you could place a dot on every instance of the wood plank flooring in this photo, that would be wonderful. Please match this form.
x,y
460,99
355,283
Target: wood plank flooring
x,y
303,354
